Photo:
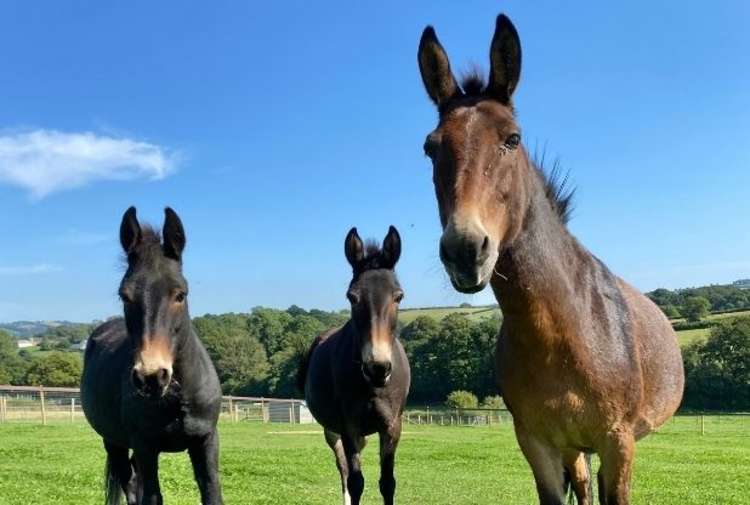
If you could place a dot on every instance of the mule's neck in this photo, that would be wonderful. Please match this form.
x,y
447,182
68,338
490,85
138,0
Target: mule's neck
x,y
534,275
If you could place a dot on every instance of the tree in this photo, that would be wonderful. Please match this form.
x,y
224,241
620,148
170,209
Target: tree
x,y
717,372
461,400
671,312
238,356
696,308
61,369
12,367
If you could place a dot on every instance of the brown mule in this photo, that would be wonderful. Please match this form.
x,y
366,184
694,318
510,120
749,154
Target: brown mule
x,y
585,362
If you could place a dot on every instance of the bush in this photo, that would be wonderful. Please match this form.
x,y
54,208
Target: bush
x,y
493,402
462,400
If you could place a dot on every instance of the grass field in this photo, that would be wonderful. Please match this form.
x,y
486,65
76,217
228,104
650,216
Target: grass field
x,y
406,316
279,464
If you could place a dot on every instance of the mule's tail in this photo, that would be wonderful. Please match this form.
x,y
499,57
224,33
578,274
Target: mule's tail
x,y
571,499
304,364
112,487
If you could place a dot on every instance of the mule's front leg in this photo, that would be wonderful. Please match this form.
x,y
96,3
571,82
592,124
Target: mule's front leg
x,y
355,482
547,464
388,443
204,455
148,472
337,446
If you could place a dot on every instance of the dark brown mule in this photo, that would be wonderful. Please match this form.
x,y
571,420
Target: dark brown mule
x,y
356,378
148,383
585,362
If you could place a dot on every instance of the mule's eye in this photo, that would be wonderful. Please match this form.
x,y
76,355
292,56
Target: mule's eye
x,y
180,297
430,146
398,296
353,297
513,140
125,297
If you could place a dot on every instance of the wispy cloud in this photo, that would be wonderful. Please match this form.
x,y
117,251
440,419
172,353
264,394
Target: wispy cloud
x,y
45,161
40,268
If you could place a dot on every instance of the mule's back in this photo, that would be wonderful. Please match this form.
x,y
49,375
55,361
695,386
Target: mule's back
x,y
105,368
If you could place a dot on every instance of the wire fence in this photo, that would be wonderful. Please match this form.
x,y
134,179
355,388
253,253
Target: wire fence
x,y
45,405
38,404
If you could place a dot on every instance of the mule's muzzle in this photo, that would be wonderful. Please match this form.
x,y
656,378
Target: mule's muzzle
x,y
152,385
377,373
468,259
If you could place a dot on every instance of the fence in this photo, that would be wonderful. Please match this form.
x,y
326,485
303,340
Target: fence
x,y
457,417
47,404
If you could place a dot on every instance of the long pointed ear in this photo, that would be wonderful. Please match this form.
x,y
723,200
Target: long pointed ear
x,y
130,231
505,60
391,248
174,235
436,69
353,248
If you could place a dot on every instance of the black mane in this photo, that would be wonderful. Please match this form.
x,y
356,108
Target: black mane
x,y
473,82
557,187
373,259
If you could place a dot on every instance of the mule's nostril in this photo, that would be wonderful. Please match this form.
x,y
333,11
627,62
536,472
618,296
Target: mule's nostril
x,y
485,244
137,379
163,377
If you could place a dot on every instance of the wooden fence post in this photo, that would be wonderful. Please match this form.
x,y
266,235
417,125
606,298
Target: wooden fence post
x,y
44,410
703,425
231,409
3,409
291,415
72,409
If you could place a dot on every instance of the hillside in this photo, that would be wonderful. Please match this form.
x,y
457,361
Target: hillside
x,y
25,329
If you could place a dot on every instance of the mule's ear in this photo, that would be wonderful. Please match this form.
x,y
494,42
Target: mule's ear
x,y
505,60
391,247
353,248
436,69
130,231
174,235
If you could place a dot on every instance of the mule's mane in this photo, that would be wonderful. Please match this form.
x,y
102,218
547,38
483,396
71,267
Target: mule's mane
x,y
149,246
473,82
557,186
373,259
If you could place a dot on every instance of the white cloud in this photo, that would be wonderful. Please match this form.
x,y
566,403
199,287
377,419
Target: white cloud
x,y
41,268
45,161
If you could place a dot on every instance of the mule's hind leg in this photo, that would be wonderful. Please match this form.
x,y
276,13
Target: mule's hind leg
x,y
578,467
337,446
121,469
388,444
355,482
617,463
547,465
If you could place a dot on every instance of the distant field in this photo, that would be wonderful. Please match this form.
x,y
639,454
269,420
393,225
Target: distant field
x,y
406,316
266,464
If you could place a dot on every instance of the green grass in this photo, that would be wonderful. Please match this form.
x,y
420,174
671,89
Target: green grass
x,y
277,464
686,337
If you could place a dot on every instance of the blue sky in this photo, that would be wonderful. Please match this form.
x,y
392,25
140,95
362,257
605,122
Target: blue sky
x,y
272,128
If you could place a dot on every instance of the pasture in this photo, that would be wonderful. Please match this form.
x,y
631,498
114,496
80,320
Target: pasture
x,y
267,464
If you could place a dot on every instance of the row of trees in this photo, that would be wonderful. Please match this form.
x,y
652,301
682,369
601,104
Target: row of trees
x,y
696,303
